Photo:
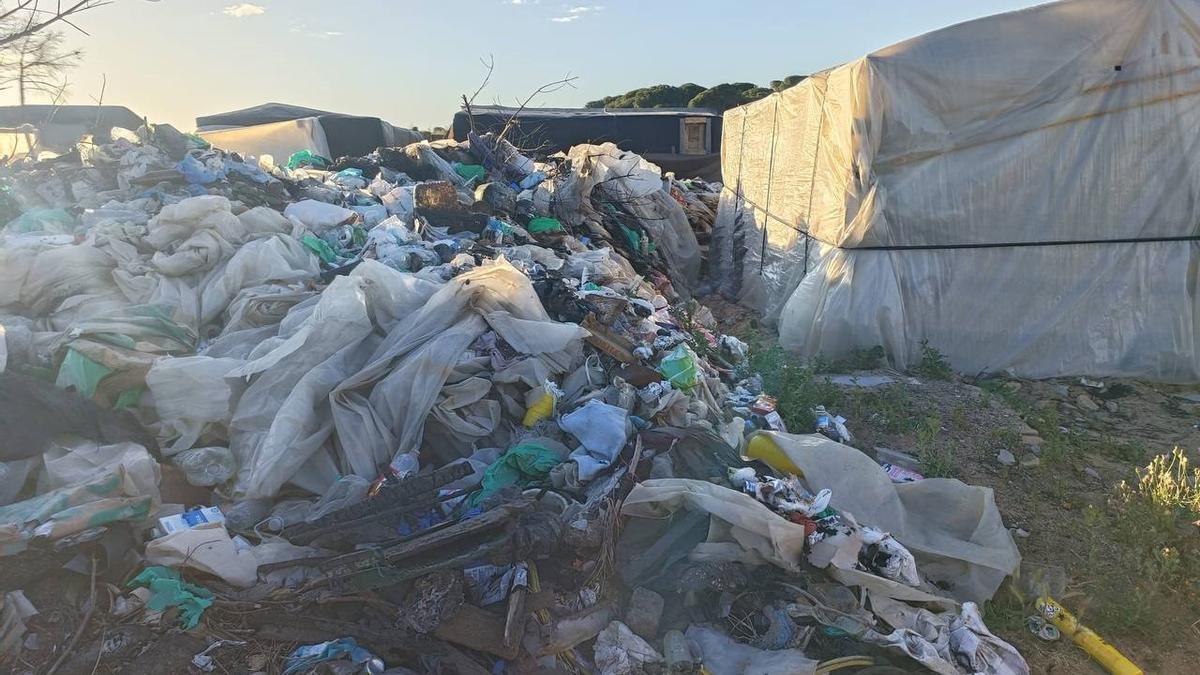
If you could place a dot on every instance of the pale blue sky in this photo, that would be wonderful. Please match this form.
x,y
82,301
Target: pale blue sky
x,y
409,60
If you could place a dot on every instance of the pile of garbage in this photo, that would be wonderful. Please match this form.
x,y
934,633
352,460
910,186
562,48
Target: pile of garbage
x,y
442,408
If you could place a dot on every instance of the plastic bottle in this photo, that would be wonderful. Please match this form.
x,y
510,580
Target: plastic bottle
x,y
543,407
1104,653
824,421
762,447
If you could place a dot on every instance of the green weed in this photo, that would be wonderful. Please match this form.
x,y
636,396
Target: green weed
x,y
859,359
933,363
935,459
1150,555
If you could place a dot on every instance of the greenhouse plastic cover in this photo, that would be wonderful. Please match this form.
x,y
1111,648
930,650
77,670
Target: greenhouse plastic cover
x,y
1021,191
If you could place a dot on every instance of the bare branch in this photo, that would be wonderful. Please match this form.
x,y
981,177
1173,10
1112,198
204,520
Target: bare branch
x,y
100,101
39,19
490,64
551,87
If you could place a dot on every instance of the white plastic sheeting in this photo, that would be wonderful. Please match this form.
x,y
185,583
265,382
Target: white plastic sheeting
x,y
638,185
1023,138
954,530
347,380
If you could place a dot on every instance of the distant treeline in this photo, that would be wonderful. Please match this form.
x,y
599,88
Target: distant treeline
x,y
690,95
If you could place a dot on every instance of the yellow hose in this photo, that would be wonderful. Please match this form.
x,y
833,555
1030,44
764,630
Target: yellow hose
x,y
844,662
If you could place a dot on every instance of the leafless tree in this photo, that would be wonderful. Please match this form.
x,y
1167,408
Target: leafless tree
x,y
23,18
37,64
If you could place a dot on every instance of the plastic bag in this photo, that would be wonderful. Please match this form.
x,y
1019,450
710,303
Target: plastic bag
x,y
346,491
305,158
207,548
206,467
723,656
602,430
169,590
525,464
680,369
192,397
48,221
619,651
318,216
81,374
539,225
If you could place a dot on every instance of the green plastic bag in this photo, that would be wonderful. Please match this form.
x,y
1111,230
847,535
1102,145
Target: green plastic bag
x,y
523,465
80,373
129,398
169,590
51,221
679,367
320,247
471,171
538,225
306,158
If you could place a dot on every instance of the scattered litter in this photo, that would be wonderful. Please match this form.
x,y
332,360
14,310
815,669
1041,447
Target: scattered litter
x,y
465,382
169,590
306,657
190,519
1042,629
205,662
1087,640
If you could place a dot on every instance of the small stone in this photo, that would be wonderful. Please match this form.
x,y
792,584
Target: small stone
x,y
1031,439
1111,406
645,611
1036,449
1006,458
257,662
1030,461
1086,403
1012,387
1020,533
1045,404
1027,430
1062,391
1092,473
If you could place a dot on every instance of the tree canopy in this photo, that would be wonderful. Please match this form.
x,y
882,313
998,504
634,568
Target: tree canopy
x,y
691,95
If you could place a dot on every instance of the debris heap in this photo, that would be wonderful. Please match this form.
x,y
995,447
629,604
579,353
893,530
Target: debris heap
x,y
443,408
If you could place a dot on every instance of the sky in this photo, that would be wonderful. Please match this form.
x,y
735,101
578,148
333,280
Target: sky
x,y
409,61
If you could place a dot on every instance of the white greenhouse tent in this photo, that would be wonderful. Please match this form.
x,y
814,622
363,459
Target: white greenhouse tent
x,y
1022,191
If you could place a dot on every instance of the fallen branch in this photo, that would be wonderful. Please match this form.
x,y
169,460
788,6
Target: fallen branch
x,y
83,624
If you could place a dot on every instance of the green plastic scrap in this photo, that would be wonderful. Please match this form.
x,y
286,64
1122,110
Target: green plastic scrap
x,y
169,590
80,373
306,158
679,367
632,238
538,225
470,171
523,465
129,398
53,221
320,247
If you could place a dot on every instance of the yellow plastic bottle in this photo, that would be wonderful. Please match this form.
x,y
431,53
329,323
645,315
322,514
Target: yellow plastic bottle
x,y
540,410
763,447
1104,653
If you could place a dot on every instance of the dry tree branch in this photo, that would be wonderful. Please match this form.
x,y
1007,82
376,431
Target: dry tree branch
x,y
40,19
551,87
490,64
